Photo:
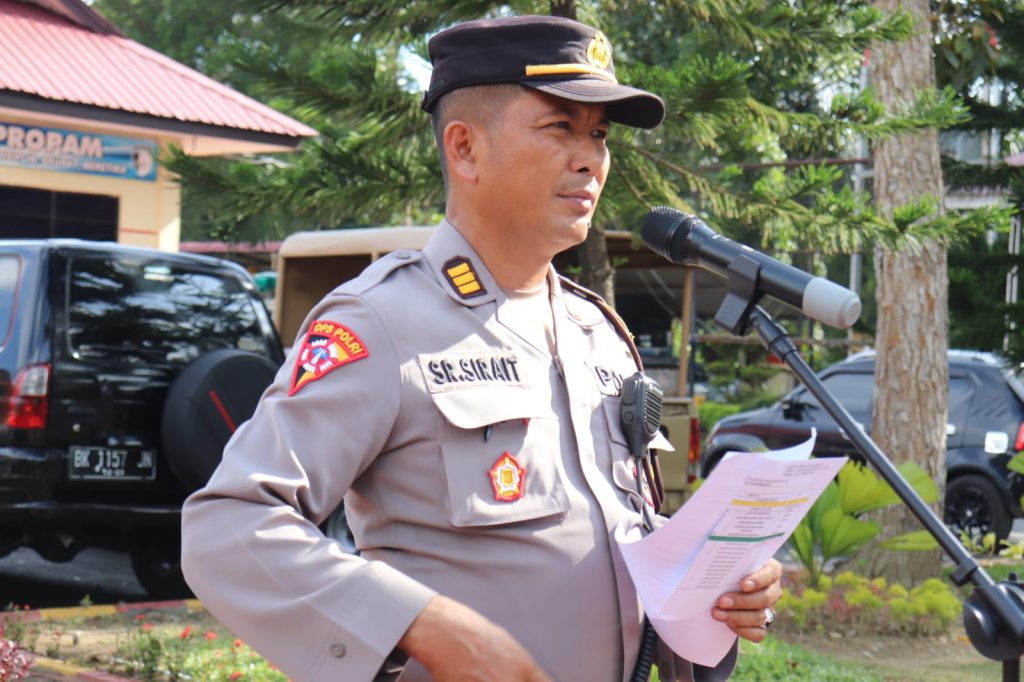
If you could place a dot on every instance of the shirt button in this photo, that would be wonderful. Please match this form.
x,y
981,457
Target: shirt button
x,y
402,255
337,650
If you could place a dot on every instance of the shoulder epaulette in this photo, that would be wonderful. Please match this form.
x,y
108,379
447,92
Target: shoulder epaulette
x,y
377,271
609,312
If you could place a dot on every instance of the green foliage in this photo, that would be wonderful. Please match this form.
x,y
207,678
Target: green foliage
x,y
986,544
776,661
832,529
851,602
979,317
742,82
710,412
151,654
739,375
19,628
1011,550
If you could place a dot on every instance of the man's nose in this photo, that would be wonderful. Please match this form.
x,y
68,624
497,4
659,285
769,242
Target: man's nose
x,y
589,156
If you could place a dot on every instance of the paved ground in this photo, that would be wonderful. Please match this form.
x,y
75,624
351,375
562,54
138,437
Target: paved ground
x,y
105,576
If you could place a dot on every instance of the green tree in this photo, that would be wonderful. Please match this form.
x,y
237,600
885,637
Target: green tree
x,y
980,53
736,119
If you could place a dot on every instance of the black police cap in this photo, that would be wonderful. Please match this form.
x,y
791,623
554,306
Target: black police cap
x,y
558,56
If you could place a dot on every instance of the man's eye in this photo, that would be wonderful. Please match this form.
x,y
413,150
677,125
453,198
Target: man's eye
x,y
600,134
565,125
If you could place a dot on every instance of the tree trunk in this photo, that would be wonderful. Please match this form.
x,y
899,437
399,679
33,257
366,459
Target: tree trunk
x,y
596,271
563,8
911,370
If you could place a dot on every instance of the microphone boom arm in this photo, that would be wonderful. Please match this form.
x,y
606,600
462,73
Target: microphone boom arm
x,y
994,614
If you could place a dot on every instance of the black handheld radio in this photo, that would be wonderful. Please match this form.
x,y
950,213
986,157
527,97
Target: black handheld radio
x,y
640,417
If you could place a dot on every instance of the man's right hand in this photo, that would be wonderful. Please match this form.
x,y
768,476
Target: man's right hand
x,y
455,643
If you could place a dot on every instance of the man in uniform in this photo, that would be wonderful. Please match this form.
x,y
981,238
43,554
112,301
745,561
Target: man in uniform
x,y
465,404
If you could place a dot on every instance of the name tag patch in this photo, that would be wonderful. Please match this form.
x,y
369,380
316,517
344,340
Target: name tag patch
x,y
327,346
445,372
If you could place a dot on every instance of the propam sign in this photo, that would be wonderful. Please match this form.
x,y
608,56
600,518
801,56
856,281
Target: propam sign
x,y
77,152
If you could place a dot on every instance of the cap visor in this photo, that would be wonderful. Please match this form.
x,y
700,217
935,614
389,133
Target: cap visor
x,y
626,105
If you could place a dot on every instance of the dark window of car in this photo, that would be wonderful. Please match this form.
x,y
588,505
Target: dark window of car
x,y
10,269
146,311
854,391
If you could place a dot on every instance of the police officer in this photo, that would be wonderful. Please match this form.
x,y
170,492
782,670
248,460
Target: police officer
x,y
464,402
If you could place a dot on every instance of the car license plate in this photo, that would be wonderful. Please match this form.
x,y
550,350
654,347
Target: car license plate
x,y
89,462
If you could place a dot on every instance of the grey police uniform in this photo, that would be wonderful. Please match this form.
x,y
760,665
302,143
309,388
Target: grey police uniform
x,y
472,462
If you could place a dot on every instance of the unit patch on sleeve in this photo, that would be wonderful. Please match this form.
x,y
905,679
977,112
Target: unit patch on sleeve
x,y
507,478
328,345
462,277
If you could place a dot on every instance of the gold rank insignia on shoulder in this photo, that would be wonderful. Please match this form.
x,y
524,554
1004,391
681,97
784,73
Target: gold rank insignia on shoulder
x,y
599,52
462,277
508,479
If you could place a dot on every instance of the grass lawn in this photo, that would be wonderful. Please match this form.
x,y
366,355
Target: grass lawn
x,y
170,644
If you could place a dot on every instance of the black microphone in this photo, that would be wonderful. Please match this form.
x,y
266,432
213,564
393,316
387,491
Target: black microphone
x,y
685,239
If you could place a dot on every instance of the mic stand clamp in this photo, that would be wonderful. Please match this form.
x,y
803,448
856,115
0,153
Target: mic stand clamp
x,y
994,614
734,312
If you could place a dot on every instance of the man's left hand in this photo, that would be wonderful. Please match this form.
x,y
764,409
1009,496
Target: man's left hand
x,y
744,611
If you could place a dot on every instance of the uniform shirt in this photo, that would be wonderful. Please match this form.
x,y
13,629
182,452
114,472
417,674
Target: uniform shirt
x,y
473,462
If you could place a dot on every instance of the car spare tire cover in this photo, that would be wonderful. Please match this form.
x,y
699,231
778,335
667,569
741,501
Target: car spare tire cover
x,y
211,397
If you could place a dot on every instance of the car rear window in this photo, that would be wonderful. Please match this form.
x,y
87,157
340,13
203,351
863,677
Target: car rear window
x,y
157,311
10,272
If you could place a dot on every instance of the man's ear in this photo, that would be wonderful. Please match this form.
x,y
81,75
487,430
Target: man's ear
x,y
460,139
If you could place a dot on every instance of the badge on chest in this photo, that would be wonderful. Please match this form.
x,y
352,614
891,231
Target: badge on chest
x,y
508,478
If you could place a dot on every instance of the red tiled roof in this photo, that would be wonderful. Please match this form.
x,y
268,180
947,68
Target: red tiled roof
x,y
57,58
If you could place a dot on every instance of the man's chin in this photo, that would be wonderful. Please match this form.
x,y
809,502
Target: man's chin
x,y
572,235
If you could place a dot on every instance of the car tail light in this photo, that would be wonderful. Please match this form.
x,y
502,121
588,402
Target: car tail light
x,y
29,402
1019,445
694,456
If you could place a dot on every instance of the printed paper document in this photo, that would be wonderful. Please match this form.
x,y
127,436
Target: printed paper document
x,y
734,523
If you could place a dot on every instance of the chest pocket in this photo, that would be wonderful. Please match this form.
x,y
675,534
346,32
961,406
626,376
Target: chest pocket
x,y
500,448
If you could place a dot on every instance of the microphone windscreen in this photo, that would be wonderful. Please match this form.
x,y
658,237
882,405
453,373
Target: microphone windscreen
x,y
659,227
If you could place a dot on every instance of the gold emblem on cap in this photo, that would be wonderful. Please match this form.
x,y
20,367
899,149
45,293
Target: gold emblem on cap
x,y
599,52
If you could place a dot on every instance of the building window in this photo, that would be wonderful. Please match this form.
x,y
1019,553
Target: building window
x,y
27,213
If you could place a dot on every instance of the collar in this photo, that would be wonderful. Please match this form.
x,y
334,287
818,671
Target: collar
x,y
458,268
578,309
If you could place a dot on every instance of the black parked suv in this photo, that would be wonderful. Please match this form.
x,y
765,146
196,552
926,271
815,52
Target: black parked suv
x,y
123,371
985,429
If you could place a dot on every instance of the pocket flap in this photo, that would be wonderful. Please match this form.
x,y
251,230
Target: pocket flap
x,y
479,407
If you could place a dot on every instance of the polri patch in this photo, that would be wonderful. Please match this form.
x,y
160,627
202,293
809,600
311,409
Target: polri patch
x,y
328,346
508,478
461,275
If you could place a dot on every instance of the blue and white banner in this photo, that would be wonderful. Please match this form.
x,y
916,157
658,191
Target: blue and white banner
x,y
77,152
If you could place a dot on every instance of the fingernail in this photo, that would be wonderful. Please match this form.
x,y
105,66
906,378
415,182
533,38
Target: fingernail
x,y
726,602
718,615
749,584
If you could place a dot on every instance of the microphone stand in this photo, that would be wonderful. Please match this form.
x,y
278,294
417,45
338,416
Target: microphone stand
x,y
994,613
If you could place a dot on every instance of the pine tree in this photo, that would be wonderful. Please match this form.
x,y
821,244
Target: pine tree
x,y
736,119
981,54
